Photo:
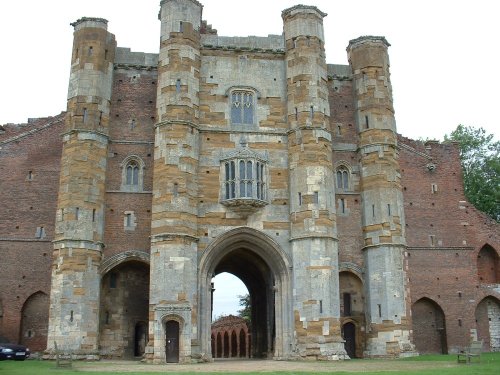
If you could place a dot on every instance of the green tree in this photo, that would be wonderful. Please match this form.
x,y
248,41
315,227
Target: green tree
x,y
480,159
246,310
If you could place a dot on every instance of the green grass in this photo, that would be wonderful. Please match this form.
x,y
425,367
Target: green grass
x,y
435,365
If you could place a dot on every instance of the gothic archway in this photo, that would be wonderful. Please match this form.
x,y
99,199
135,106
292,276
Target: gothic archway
x,y
487,316
35,321
124,306
429,327
264,268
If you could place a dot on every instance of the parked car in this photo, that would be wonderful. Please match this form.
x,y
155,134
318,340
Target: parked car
x,y
14,351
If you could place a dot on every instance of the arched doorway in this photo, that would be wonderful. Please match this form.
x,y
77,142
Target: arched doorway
x,y
243,344
487,316
219,346
264,268
124,309
35,321
429,327
172,341
141,338
349,334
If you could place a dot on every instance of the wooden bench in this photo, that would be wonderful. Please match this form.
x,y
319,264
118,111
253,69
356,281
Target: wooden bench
x,y
63,360
473,351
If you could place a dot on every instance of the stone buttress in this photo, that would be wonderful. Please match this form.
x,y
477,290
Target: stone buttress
x,y
173,286
314,244
75,288
387,311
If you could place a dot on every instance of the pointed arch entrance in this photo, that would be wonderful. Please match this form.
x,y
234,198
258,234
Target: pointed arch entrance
x,y
487,316
264,268
429,327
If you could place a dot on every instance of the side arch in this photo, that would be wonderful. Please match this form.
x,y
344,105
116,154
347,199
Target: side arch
x,y
487,316
249,240
429,327
132,255
35,321
488,265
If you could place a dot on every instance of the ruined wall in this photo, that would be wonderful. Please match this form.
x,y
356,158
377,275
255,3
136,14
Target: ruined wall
x,y
30,157
445,235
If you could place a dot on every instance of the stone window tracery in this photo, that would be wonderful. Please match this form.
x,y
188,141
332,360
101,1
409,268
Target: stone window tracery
x,y
132,174
342,178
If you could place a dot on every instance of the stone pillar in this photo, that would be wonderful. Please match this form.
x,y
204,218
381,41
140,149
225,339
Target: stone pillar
x,y
388,326
174,237
75,289
314,243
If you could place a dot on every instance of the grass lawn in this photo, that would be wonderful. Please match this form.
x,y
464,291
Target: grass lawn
x,y
423,365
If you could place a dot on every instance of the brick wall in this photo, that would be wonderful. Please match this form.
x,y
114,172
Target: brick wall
x,y
27,204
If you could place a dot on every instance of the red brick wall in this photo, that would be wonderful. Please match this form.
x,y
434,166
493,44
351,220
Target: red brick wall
x,y
35,317
445,271
25,260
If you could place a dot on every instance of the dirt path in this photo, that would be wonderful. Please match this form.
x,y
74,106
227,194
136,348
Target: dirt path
x,y
262,366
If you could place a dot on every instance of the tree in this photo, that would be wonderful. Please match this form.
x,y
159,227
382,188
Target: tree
x,y
480,160
246,311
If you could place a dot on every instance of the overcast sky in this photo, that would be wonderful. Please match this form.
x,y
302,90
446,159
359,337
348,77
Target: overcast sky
x,y
444,53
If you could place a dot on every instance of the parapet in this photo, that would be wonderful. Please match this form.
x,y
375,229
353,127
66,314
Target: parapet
x,y
90,22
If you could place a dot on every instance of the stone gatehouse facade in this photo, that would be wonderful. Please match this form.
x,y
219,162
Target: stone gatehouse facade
x,y
248,155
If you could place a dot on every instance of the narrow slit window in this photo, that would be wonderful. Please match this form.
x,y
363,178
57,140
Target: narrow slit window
x,y
112,280
100,117
388,209
342,205
181,27
434,188
321,306
367,123
300,199
71,316
373,210
93,215
296,114
312,112
339,131
84,115
175,190
77,213
379,310
316,197
178,86
105,54
91,51
30,175
128,220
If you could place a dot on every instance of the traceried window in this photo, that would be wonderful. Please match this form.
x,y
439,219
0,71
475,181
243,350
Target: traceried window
x,y
244,179
242,107
342,178
132,174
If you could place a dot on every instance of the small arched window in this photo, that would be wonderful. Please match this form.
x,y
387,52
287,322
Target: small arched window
x,y
343,178
132,174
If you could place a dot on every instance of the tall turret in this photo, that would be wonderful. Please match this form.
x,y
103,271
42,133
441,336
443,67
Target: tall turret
x,y
314,243
382,200
174,213
74,298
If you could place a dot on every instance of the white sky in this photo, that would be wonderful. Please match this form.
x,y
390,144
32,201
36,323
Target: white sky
x,y
444,53
227,289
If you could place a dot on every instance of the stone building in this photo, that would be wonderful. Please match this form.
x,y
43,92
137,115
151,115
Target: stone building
x,y
248,155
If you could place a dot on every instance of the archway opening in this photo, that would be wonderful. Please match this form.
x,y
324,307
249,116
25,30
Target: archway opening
x,y
261,264
487,316
124,310
429,327
35,321
352,312
488,267
258,278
